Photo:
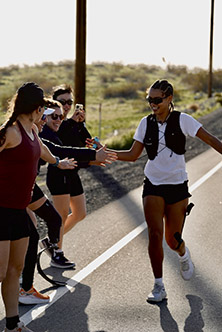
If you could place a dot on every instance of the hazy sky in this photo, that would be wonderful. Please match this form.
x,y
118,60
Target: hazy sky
x,y
130,31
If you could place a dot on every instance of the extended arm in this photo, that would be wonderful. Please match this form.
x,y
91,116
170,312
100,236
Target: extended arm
x,y
209,139
132,154
51,159
80,154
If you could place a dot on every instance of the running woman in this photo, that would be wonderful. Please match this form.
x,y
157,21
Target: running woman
x,y
165,190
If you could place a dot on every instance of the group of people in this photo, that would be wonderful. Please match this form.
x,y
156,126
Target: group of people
x,y
39,131
20,152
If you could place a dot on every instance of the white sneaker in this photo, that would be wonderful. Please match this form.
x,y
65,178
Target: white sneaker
x,y
158,294
186,266
32,297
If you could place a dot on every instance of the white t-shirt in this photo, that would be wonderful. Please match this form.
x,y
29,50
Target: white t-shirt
x,y
167,167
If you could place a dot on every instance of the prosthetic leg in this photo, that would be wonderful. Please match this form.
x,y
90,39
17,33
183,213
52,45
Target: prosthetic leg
x,y
42,273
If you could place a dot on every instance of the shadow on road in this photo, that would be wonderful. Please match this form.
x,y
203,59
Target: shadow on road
x,y
193,323
167,322
66,314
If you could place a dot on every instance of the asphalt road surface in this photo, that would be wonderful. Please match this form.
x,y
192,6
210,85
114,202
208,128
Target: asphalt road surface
x,y
107,291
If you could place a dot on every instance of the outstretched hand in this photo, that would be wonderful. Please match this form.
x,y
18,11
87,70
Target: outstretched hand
x,y
67,163
104,156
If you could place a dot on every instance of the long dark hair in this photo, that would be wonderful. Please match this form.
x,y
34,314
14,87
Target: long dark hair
x,y
27,99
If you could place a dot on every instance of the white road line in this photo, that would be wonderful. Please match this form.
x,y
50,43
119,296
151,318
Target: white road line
x,y
205,177
78,277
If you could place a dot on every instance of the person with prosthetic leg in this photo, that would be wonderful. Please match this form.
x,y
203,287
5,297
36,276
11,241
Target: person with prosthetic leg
x,y
165,189
42,207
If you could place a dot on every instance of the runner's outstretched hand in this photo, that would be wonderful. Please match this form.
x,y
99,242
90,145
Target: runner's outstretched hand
x,y
103,156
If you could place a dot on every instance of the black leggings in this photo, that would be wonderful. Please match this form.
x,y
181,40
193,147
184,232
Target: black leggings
x,y
53,220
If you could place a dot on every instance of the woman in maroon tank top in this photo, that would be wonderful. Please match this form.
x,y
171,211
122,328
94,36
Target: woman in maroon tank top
x,y
20,150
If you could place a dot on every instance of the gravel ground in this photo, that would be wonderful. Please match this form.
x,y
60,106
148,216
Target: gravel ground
x,y
103,185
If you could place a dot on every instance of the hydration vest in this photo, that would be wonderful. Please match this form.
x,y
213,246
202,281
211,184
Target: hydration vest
x,y
174,137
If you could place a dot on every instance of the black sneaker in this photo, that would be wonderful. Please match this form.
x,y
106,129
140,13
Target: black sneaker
x,y
50,247
60,261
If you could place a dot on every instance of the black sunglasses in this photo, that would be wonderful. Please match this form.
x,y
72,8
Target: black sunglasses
x,y
43,117
56,116
156,100
68,102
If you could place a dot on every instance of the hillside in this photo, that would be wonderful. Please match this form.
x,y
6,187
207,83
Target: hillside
x,y
117,91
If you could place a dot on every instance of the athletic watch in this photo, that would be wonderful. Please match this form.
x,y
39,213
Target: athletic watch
x,y
56,163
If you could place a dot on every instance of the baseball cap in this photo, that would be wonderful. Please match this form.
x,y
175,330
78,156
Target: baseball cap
x,y
32,94
49,111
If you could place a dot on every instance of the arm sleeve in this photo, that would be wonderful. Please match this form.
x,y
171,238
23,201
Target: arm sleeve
x,y
80,154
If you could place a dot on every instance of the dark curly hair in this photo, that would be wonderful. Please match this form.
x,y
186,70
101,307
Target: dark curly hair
x,y
165,87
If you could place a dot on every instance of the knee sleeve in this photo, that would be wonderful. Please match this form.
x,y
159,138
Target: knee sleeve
x,y
53,220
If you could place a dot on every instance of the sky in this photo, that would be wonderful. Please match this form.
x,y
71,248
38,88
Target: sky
x,y
153,32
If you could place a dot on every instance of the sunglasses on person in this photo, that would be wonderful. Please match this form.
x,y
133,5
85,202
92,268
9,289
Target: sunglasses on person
x,y
57,116
68,102
43,117
156,100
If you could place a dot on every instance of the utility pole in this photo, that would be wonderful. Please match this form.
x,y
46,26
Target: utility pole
x,y
80,64
210,77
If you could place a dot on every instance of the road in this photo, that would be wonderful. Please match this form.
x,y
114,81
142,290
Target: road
x,y
107,291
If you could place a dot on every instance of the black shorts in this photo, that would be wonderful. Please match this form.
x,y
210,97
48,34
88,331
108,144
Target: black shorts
x,y
14,224
66,184
37,193
171,193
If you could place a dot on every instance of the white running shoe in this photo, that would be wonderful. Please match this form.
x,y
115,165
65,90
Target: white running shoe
x,y
158,294
32,297
186,266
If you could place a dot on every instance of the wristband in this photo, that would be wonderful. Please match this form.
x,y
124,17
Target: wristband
x,y
56,163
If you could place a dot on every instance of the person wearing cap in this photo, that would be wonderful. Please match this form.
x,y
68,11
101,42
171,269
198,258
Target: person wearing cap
x,y
62,185
42,207
20,150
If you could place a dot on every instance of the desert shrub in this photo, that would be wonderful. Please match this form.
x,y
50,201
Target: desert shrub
x,y
107,77
123,90
217,80
121,142
197,79
177,70
193,107
218,97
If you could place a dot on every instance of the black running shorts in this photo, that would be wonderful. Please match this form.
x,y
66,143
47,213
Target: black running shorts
x,y
14,224
65,184
171,193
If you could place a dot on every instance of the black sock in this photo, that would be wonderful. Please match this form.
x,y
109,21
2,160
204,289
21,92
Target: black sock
x,y
11,322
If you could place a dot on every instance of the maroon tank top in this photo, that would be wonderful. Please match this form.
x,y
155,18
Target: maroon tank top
x,y
18,170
